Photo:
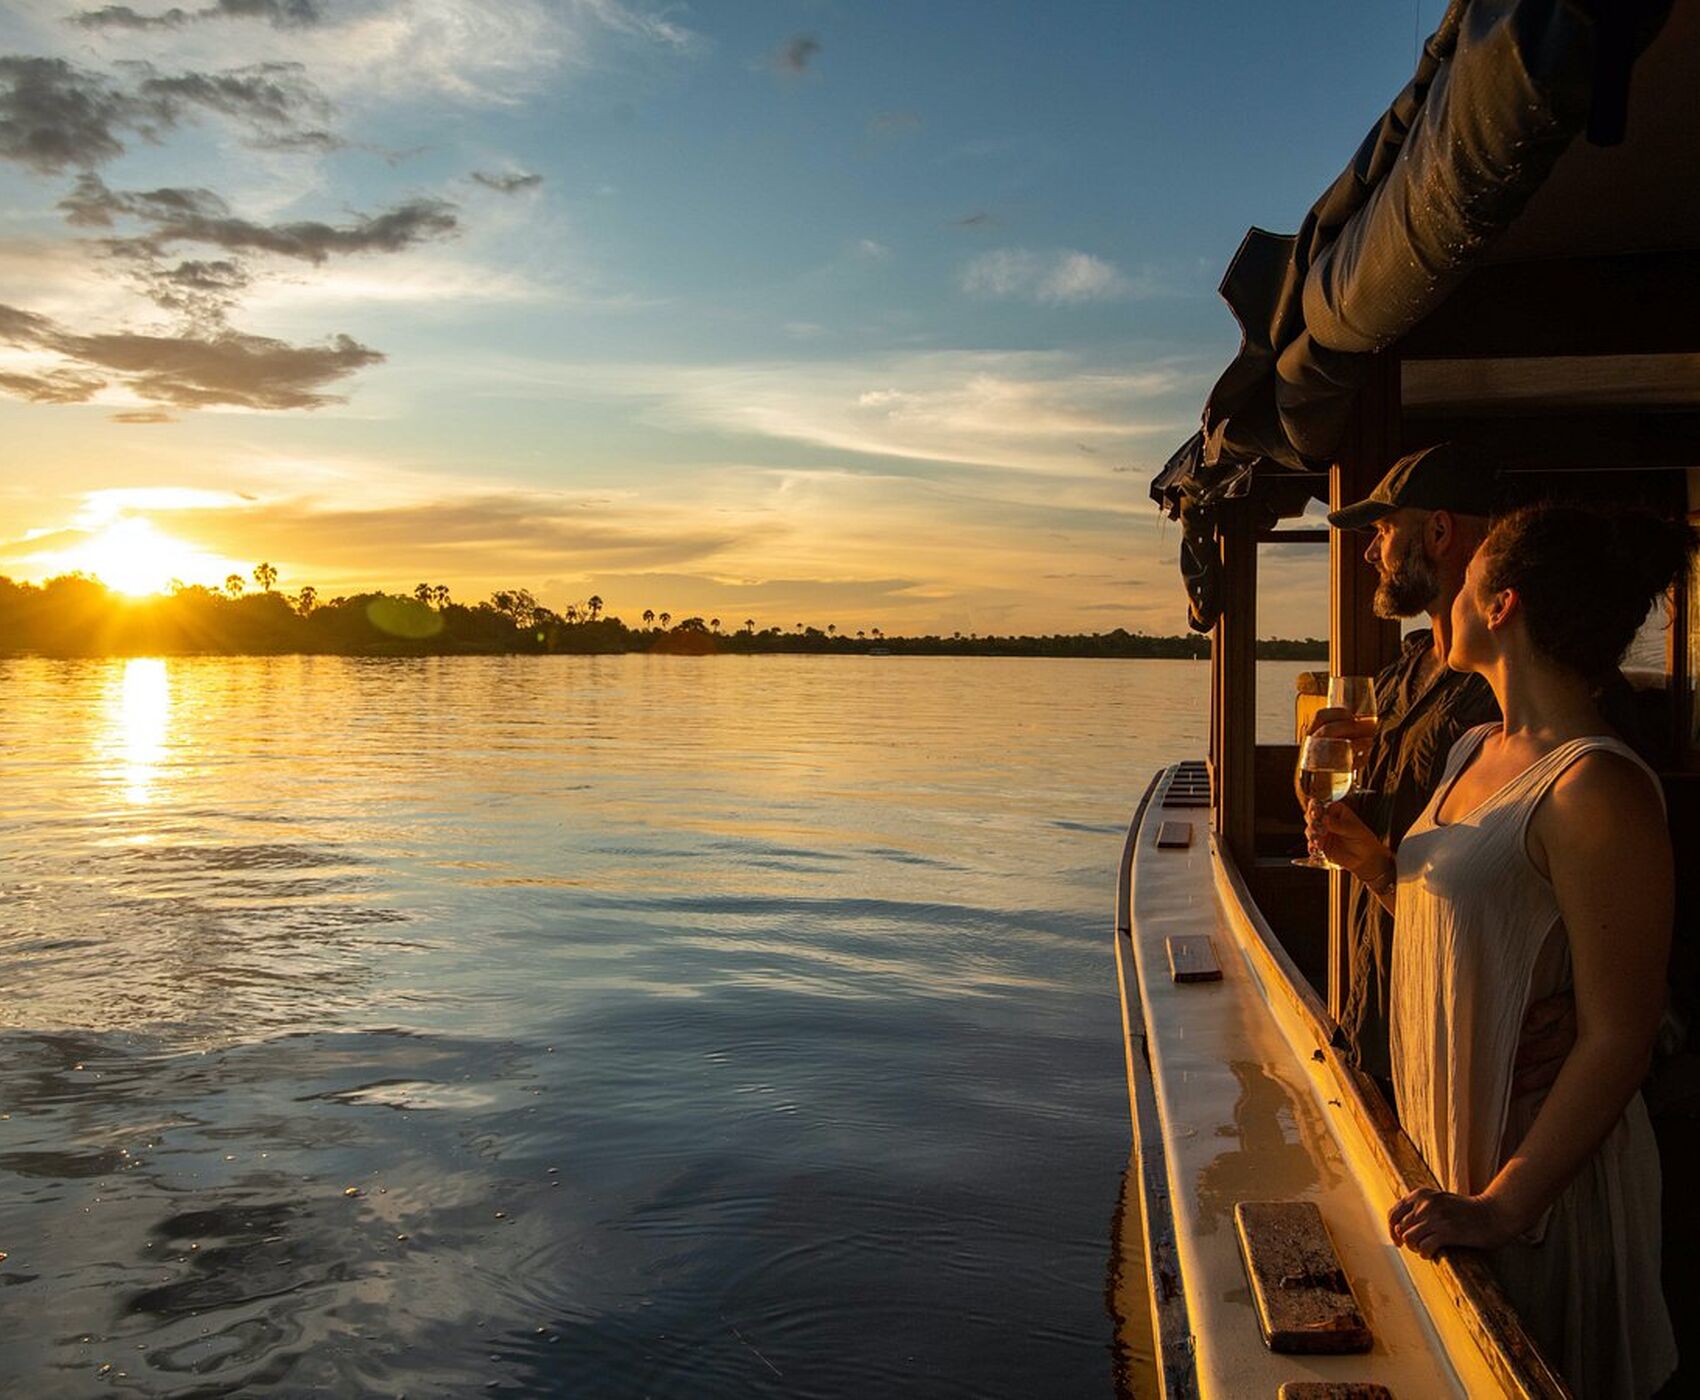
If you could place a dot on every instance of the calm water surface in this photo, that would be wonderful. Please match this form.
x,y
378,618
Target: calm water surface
x,y
626,1026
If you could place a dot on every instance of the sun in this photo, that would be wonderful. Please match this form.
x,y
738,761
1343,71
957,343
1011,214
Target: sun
x,y
131,556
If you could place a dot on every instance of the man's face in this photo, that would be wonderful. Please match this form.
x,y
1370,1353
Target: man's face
x,y
1409,583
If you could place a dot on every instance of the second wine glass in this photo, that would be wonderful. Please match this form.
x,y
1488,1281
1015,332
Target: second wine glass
x,y
1325,774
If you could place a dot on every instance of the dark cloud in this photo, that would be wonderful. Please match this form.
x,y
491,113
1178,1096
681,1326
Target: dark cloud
x,y
507,184
57,386
200,216
978,219
201,291
268,96
389,232
144,415
55,116
796,53
280,14
196,371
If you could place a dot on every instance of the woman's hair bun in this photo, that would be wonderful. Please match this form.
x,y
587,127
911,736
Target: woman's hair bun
x,y
1586,577
1650,550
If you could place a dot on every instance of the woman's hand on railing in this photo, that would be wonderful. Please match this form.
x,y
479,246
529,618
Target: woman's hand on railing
x,y
1428,1221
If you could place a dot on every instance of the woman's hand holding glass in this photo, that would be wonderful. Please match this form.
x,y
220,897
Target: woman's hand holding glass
x,y
1339,834
1324,774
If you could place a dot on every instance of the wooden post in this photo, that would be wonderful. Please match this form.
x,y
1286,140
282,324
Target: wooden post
x,y
1359,642
1234,661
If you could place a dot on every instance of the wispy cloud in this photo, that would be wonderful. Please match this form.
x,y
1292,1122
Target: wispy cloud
x,y
507,182
1026,412
887,126
1061,278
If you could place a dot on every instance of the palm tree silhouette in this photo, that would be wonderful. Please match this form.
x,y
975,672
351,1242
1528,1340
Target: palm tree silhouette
x,y
440,595
305,599
831,627
233,585
666,618
749,624
714,624
649,617
265,576
421,591
595,606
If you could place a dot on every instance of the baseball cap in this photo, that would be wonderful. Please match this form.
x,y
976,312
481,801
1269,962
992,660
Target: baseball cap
x,y
1437,478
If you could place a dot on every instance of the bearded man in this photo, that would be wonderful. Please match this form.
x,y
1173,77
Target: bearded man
x,y
1429,514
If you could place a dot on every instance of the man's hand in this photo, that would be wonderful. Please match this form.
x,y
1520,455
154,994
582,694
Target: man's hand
x,y
1549,1031
1336,723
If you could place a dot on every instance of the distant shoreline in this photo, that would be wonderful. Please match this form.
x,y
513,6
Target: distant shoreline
x,y
74,616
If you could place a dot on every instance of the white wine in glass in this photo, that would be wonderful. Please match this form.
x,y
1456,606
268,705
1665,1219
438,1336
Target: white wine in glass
x,y
1356,696
1326,772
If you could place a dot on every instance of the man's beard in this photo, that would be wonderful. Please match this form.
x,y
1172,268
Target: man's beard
x,y
1409,586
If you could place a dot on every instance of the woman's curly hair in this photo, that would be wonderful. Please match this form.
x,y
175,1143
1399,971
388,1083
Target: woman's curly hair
x,y
1586,577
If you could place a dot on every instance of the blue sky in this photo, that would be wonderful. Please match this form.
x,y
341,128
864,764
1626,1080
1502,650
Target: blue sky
x,y
878,314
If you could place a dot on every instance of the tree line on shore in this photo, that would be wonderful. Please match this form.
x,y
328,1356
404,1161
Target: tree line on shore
x,y
75,615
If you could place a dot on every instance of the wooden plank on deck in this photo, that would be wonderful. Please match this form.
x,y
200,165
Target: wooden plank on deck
x,y
1304,1300
1192,958
1174,836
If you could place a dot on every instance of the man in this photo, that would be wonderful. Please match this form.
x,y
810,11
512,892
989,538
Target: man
x,y
1428,515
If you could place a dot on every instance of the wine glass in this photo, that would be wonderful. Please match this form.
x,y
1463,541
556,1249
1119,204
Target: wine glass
x,y
1356,696
1325,774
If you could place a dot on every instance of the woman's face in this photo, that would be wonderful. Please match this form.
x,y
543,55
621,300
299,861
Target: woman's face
x,y
1474,643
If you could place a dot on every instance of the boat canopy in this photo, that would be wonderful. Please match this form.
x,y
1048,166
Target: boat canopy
x,y
1533,132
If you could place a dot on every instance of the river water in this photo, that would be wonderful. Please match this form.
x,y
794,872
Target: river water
x,y
604,1026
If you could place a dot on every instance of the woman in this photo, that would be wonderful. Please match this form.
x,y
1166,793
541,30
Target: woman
x,y
1542,864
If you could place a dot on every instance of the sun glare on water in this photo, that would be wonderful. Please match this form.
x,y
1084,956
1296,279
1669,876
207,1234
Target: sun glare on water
x,y
131,556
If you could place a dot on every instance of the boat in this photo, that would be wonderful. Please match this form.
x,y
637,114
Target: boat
x,y
1511,262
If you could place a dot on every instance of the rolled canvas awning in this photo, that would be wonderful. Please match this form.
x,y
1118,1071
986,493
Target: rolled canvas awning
x,y
1452,177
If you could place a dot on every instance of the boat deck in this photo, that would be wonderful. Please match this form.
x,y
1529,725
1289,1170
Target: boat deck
x,y
1235,1098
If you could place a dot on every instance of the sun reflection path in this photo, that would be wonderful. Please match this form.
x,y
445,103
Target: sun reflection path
x,y
138,718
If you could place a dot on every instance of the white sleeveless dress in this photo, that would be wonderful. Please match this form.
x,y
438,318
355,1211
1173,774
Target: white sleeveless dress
x,y
1477,938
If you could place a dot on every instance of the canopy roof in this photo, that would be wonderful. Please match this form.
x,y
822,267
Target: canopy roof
x,y
1532,131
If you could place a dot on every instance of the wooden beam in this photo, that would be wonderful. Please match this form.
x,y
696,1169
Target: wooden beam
x,y
1235,652
1638,303
1632,441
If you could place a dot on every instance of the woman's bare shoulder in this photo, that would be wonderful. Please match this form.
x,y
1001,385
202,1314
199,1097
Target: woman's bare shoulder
x,y
1603,797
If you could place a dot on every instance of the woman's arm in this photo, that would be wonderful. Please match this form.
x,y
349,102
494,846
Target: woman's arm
x,y
1601,834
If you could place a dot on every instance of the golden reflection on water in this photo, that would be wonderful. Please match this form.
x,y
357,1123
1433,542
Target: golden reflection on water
x,y
138,719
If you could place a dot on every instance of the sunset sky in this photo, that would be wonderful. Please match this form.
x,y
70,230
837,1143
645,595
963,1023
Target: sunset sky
x,y
878,314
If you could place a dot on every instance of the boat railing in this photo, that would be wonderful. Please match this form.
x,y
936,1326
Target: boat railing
x,y
1461,1278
